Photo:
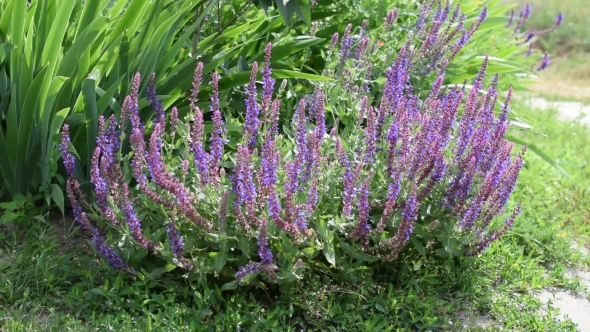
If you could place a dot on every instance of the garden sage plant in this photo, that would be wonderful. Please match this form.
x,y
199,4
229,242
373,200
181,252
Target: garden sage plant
x,y
435,172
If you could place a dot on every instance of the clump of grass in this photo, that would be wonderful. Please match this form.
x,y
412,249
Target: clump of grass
x,y
555,200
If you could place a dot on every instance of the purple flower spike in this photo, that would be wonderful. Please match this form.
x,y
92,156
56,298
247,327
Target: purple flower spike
x,y
243,184
483,14
346,43
529,36
267,81
173,121
559,19
197,80
544,63
176,240
109,253
153,98
265,254
348,193
361,231
201,157
216,141
334,40
101,189
511,19
390,19
252,110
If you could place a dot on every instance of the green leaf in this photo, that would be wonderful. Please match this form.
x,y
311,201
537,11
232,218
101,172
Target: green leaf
x,y
58,197
89,12
9,206
81,45
56,34
286,49
287,8
418,246
538,152
90,112
5,50
154,274
265,4
173,52
134,9
107,97
27,121
283,73
357,254
6,17
232,285
8,216
304,11
329,253
220,260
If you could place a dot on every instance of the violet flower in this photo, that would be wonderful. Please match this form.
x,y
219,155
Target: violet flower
x,y
252,110
362,228
154,101
243,184
216,141
267,81
544,63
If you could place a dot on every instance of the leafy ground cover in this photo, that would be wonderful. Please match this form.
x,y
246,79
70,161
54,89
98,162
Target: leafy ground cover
x,y
47,285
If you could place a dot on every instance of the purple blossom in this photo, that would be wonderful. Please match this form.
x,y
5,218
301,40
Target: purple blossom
x,y
109,253
264,252
243,184
176,240
391,17
252,110
544,63
346,44
216,141
101,189
154,101
363,228
370,137
267,81
348,181
173,121
559,19
201,157
511,19
333,41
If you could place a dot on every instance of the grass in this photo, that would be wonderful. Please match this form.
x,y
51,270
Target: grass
x,y
569,196
48,284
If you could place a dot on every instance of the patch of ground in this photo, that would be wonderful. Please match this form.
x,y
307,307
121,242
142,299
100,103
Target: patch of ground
x,y
568,110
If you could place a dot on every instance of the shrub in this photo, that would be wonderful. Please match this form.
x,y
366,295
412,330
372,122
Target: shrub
x,y
434,172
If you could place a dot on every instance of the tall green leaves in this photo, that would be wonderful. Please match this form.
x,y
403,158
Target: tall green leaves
x,y
55,57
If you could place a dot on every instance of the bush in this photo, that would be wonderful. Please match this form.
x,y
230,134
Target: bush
x,y
433,172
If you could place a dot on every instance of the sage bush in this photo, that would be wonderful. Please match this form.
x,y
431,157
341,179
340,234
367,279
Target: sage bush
x,y
364,172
